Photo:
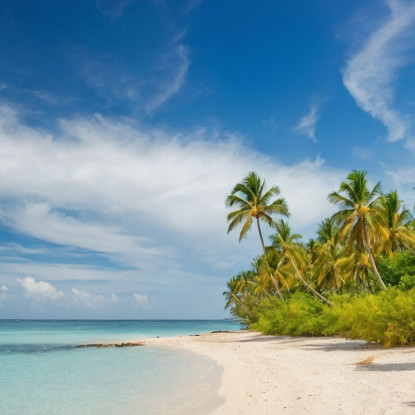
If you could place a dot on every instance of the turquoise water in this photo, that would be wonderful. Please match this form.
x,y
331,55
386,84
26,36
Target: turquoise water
x,y
43,373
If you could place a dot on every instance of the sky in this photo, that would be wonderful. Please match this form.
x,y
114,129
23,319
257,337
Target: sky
x,y
124,124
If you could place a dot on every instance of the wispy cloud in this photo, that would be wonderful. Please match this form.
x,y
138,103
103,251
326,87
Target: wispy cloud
x,y
111,81
114,82
307,123
191,5
113,8
362,153
270,123
87,299
176,65
370,73
44,96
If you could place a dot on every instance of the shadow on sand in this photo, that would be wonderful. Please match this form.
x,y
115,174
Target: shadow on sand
x,y
343,345
276,339
388,367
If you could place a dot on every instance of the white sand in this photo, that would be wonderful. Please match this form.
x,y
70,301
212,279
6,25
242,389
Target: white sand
x,y
285,375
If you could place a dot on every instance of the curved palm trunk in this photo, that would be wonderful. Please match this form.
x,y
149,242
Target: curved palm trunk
x,y
308,286
371,259
238,300
408,248
274,281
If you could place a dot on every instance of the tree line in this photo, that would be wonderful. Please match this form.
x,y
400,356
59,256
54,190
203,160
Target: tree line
x,y
369,228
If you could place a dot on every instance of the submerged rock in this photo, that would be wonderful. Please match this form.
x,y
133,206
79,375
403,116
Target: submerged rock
x,y
106,345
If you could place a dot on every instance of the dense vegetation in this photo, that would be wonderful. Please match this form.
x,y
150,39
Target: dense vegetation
x,y
356,279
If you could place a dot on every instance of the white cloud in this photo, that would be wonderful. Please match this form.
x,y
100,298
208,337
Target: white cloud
x,y
39,220
142,300
370,73
307,124
3,288
39,289
146,198
119,169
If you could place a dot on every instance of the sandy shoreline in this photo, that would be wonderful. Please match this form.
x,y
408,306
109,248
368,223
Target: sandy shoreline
x,y
285,375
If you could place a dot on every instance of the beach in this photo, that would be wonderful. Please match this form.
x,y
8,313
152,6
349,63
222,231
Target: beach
x,y
287,375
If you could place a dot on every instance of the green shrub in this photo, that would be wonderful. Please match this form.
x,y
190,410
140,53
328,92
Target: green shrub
x,y
387,317
407,282
301,315
392,269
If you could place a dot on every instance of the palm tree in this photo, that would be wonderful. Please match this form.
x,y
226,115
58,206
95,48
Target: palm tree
x,y
268,273
238,289
355,267
396,220
255,203
295,255
328,252
357,216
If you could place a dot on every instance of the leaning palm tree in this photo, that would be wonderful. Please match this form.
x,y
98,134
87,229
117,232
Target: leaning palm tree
x,y
255,204
268,273
295,255
357,217
396,220
238,287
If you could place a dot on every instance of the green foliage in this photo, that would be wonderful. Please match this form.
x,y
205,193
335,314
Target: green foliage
x,y
301,315
387,318
246,312
394,268
368,242
407,282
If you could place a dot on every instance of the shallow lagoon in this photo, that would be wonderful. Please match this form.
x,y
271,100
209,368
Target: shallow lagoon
x,y
42,371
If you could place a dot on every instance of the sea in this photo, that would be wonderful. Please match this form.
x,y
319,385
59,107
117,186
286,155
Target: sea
x,y
43,372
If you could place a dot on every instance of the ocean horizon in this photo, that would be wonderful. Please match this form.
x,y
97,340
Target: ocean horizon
x,y
44,372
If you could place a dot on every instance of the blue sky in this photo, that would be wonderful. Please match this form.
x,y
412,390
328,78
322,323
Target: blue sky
x,y
125,123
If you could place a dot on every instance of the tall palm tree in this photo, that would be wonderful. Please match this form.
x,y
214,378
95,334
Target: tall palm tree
x,y
295,255
254,203
357,217
396,220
